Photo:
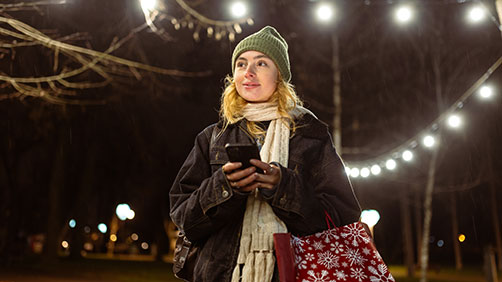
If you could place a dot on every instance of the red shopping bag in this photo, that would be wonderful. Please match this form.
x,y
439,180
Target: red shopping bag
x,y
343,253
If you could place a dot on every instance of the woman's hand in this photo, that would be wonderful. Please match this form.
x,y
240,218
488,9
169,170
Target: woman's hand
x,y
246,180
240,179
271,177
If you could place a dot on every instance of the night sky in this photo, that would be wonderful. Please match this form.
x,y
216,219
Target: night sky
x,y
126,140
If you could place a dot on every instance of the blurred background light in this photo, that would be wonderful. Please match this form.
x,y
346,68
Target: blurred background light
x,y
324,12
238,9
144,245
407,155
365,172
375,169
148,4
454,121
403,14
390,164
485,92
134,237
72,223
429,141
476,14
102,228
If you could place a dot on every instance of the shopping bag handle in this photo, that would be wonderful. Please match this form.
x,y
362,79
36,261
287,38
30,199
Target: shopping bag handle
x,y
328,220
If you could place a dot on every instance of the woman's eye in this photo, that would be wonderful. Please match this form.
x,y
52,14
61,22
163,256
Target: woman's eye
x,y
240,65
262,64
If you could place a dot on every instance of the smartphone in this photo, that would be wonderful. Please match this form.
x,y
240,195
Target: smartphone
x,y
243,153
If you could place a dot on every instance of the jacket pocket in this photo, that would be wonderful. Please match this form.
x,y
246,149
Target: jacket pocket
x,y
217,158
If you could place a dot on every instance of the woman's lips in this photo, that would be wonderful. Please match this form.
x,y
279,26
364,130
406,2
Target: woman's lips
x,y
250,85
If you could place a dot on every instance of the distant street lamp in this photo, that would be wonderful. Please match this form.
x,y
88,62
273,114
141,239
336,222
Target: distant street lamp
x,y
371,218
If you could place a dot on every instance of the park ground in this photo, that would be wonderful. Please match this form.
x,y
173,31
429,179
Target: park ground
x,y
129,271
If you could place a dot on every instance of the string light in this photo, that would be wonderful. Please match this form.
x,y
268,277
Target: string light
x,y
454,121
390,164
365,172
354,172
324,12
476,14
403,14
238,9
375,169
485,92
429,141
407,155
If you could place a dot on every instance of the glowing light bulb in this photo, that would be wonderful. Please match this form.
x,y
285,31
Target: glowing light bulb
x,y
454,121
429,141
365,172
375,169
476,14
324,12
390,164
407,155
403,14
485,92
354,172
238,9
148,4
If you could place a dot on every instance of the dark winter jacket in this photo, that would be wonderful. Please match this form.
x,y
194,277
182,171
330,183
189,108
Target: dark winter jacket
x,y
210,212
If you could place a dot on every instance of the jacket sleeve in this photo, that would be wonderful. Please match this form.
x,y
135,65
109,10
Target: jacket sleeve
x,y
321,185
201,201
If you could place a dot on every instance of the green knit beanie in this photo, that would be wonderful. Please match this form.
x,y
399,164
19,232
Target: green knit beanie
x,y
269,42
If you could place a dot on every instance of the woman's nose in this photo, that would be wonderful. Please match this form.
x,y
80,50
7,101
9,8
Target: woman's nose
x,y
250,72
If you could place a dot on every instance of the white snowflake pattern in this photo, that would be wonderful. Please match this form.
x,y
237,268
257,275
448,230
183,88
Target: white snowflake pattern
x,y
337,247
313,266
302,264
298,259
329,235
317,277
376,255
309,257
366,251
372,262
298,243
318,245
354,257
355,234
358,274
380,274
344,264
340,275
328,259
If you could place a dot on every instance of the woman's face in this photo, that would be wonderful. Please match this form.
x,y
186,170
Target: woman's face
x,y
255,76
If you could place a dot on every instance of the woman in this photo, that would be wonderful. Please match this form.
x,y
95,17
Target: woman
x,y
231,213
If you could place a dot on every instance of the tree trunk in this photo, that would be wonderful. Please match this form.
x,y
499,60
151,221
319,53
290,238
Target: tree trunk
x,y
454,231
407,237
55,189
424,256
5,208
337,99
495,214
418,222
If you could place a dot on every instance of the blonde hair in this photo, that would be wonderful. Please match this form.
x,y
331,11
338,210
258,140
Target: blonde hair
x,y
232,105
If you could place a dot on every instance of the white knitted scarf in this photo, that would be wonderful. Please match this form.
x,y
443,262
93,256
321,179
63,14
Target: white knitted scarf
x,y
256,250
